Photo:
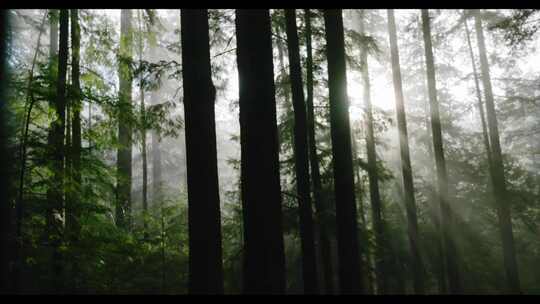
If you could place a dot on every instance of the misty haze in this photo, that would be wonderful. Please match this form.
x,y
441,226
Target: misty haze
x,y
281,151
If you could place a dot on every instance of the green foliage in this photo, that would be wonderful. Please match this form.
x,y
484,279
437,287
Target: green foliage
x,y
518,27
153,258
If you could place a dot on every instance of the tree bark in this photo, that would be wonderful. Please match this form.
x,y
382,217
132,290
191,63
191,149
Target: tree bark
x,y
5,162
301,157
447,221
55,194
497,169
264,259
347,230
73,214
53,47
142,130
124,157
480,104
410,204
205,257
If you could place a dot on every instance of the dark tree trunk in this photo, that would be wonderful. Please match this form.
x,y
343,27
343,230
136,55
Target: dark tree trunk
x,y
497,169
73,225
309,265
264,258
434,210
124,157
5,162
55,194
205,258
447,222
410,204
375,197
347,230
320,205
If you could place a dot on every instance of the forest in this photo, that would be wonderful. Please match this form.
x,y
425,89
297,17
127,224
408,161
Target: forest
x,y
270,151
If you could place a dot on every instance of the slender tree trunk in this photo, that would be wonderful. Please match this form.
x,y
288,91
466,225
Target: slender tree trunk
x,y
410,204
447,221
124,158
373,175
497,169
55,194
5,162
320,205
347,232
480,104
142,111
434,206
53,47
90,127
73,212
205,258
301,156
68,190
264,263
144,168
283,72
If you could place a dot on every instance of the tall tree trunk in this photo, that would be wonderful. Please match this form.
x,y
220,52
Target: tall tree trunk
x,y
89,127
124,158
142,111
410,204
55,194
283,72
447,221
347,232
373,175
5,162
497,168
320,205
309,265
144,169
73,211
205,258
53,47
431,195
264,259
480,104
